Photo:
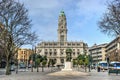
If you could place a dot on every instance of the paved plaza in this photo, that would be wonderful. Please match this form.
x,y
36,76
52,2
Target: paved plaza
x,y
28,75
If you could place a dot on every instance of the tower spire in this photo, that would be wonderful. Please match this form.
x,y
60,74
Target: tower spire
x,y
62,27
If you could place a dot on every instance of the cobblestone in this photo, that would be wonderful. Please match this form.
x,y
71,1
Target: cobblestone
x,y
94,75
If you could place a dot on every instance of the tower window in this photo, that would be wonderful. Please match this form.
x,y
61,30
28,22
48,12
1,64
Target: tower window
x,y
62,37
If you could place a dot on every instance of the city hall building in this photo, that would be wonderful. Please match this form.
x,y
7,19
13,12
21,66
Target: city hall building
x,y
56,50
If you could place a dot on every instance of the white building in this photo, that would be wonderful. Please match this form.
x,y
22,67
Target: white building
x,y
57,50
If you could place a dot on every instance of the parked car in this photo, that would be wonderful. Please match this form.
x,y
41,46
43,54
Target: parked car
x,y
12,67
22,66
29,66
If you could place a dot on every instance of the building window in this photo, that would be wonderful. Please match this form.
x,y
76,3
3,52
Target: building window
x,y
46,44
50,54
55,44
73,44
69,44
55,60
73,49
73,53
62,38
61,53
62,60
50,50
55,50
55,53
46,53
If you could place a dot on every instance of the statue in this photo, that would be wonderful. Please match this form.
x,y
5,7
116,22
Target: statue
x,y
68,54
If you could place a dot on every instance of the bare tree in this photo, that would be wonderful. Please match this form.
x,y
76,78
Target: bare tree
x,y
15,30
110,22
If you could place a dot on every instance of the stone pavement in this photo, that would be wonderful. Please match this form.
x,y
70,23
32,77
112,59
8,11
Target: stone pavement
x,y
94,75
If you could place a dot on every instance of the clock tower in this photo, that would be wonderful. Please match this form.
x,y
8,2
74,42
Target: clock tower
x,y
62,27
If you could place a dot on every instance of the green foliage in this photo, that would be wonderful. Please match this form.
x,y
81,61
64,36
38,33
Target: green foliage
x,y
37,61
44,62
32,57
83,59
51,62
68,50
80,62
75,62
37,58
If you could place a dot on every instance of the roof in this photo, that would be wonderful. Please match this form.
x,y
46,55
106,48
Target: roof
x,y
114,62
62,13
103,62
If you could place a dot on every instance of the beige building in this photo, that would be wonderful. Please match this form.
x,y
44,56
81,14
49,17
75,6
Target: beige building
x,y
23,55
56,50
98,53
113,49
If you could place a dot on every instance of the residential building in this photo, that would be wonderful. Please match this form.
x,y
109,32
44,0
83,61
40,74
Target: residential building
x,y
56,50
113,49
23,55
98,53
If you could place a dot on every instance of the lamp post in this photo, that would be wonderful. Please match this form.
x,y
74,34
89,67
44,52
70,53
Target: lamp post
x,y
116,55
98,67
85,61
89,65
97,57
16,63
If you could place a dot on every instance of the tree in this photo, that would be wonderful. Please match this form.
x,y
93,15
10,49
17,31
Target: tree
x,y
75,62
38,60
32,58
37,63
51,62
44,62
83,59
16,30
110,22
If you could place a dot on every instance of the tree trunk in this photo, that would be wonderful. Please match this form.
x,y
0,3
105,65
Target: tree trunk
x,y
42,69
85,68
17,67
32,68
8,68
37,68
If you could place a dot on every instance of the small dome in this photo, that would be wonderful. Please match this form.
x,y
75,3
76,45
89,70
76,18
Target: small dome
x,y
62,13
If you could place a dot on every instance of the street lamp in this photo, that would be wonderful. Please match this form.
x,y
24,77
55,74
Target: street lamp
x,y
16,63
116,55
85,61
90,61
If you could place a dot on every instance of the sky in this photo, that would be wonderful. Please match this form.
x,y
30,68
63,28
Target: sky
x,y
82,19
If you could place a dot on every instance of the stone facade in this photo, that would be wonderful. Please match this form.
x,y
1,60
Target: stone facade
x,y
56,50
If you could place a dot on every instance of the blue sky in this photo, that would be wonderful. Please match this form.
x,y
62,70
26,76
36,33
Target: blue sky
x,y
82,17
